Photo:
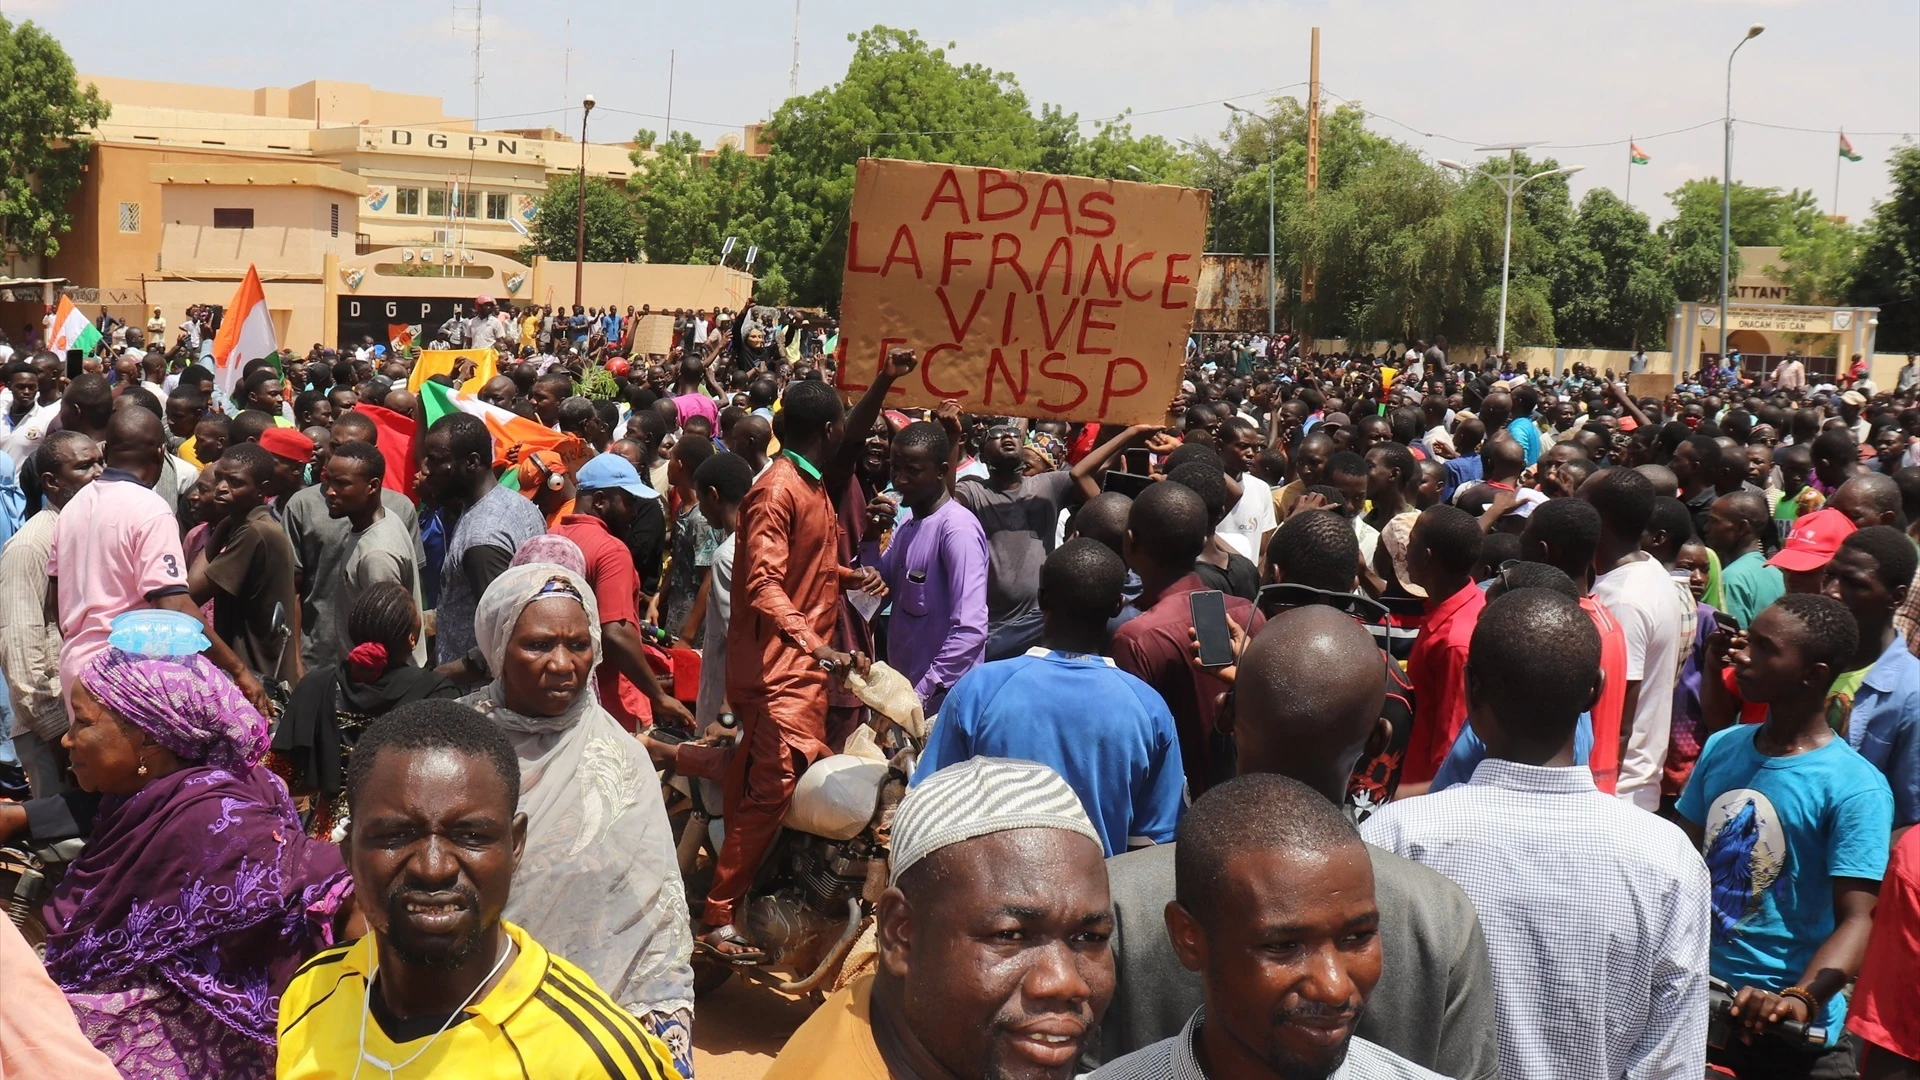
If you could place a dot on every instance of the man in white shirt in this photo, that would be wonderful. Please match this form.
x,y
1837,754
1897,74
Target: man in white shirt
x,y
1250,522
486,330
1596,915
24,420
1634,586
1791,374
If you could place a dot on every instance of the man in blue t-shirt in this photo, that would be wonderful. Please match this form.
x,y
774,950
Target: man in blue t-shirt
x,y
1795,826
1067,707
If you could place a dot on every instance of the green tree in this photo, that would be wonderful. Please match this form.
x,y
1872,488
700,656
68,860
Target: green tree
x,y
1761,217
1887,275
689,206
1610,282
1818,261
44,120
1112,152
901,98
613,230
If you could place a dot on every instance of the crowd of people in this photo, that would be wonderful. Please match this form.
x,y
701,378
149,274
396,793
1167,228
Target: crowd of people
x,y
1550,731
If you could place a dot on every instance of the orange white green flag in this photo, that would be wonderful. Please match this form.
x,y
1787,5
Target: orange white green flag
x,y
1846,148
514,436
246,333
1635,155
71,330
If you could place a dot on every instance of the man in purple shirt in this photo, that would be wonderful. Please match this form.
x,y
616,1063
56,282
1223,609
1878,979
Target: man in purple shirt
x,y
935,568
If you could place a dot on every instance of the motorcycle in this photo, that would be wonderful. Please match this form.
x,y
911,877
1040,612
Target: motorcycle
x,y
28,874
814,894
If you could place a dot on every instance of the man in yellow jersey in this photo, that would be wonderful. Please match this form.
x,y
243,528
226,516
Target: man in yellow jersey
x,y
993,937
442,987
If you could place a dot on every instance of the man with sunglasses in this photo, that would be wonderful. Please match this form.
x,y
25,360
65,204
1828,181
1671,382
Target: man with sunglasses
x,y
1021,516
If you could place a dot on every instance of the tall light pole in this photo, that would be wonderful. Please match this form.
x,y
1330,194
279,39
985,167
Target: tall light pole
x,y
580,223
1273,149
1511,182
1726,189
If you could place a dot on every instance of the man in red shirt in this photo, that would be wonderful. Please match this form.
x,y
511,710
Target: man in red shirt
x,y
1167,528
1885,1008
1565,533
610,490
1440,557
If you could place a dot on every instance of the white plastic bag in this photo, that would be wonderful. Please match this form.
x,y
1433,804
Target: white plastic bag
x,y
836,796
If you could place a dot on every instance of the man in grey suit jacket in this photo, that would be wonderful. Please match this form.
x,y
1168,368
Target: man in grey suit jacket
x,y
1308,694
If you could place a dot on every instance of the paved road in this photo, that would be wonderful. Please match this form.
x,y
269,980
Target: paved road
x,y
739,1028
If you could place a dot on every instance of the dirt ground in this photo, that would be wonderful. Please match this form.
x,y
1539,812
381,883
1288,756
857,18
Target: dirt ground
x,y
739,1029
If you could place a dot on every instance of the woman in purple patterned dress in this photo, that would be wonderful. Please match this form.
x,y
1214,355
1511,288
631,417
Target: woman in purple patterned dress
x,y
198,894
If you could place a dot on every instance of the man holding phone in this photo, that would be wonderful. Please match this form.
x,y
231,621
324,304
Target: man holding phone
x,y
1167,529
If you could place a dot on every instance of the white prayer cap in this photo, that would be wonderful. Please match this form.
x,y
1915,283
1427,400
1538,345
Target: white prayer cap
x,y
979,797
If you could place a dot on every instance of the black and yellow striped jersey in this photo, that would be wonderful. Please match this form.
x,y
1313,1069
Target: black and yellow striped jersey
x,y
544,1020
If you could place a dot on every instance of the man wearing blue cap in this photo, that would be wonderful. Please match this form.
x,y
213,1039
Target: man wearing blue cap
x,y
610,493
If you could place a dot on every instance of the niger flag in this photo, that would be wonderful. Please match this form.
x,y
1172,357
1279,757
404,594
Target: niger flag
x,y
246,333
510,431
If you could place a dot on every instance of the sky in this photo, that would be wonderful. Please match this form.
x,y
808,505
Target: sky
x,y
1443,75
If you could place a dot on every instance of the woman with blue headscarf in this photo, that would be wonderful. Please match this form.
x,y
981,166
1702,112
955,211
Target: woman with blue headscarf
x,y
197,895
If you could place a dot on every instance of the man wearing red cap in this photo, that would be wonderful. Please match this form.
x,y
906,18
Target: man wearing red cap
x,y
1804,557
292,452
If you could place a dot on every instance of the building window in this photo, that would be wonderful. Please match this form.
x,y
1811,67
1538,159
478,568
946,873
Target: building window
x,y
437,202
334,222
228,218
496,206
129,217
465,204
406,200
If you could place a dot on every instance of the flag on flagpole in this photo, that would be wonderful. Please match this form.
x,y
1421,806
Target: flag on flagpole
x,y
246,333
71,330
1635,155
509,430
1846,148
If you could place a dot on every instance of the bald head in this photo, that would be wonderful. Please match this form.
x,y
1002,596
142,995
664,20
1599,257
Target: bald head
x,y
134,441
355,427
1665,484
1308,698
1104,518
1869,499
750,437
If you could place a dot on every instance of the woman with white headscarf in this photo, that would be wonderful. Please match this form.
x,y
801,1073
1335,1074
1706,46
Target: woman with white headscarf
x,y
599,882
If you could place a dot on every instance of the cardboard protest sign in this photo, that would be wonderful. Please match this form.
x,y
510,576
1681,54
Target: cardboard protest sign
x,y
1024,294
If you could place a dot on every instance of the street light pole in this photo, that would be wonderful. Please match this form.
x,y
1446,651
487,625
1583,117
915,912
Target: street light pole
x,y
1726,189
1273,150
1510,184
580,223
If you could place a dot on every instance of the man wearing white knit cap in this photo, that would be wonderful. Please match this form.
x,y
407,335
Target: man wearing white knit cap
x,y
993,939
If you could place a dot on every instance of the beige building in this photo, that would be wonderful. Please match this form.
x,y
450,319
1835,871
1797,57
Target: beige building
x,y
429,178
335,192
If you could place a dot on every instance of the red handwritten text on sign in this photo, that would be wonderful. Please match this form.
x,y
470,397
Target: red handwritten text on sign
x,y
1025,294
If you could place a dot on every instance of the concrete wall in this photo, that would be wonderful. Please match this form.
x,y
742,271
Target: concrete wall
x,y
296,307
664,286
1884,368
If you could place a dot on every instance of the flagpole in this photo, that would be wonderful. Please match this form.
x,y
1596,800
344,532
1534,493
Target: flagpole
x,y
1629,195
1837,159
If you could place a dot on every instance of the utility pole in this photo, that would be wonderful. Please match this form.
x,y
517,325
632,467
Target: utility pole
x,y
670,59
1313,162
580,220
793,76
